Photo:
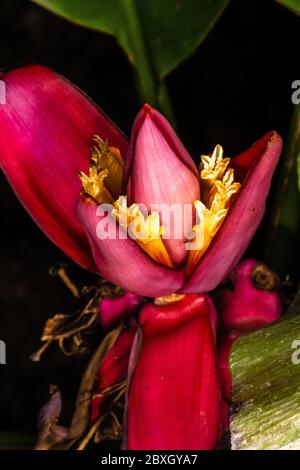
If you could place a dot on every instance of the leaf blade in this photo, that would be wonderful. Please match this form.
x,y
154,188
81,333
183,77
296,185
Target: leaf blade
x,y
293,5
285,219
169,43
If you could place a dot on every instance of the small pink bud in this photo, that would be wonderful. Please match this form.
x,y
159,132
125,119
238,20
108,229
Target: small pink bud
x,y
252,301
111,311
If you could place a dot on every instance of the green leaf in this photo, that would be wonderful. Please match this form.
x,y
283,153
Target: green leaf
x,y
265,368
172,28
156,35
293,5
15,440
298,167
285,220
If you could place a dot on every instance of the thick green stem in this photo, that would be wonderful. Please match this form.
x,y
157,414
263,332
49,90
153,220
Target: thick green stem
x,y
265,368
147,81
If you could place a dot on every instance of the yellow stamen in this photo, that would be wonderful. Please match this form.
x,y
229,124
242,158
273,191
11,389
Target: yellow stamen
x,y
217,188
146,231
106,164
109,158
168,299
104,184
93,184
212,169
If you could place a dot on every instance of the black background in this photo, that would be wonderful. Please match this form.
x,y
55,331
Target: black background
x,y
236,87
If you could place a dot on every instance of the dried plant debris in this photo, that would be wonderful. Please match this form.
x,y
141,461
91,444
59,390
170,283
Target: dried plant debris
x,y
69,330
81,430
50,433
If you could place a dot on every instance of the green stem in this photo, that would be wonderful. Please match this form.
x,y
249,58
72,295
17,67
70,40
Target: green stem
x,y
265,373
147,81
151,88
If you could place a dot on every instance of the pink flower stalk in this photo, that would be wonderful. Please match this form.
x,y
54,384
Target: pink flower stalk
x,y
112,310
173,393
47,126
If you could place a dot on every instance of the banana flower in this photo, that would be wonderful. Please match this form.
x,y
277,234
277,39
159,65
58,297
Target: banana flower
x,y
200,222
47,128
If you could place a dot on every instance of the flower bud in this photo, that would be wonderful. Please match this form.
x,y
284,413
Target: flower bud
x,y
251,300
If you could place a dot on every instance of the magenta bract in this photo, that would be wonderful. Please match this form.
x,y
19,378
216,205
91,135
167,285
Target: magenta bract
x,y
47,127
174,392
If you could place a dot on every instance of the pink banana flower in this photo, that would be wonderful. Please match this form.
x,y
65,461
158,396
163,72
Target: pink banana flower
x,y
47,126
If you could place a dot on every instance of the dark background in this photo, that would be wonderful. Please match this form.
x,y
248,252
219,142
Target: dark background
x,y
236,87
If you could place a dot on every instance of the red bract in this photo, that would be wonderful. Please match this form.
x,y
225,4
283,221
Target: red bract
x,y
254,169
47,126
123,262
159,170
173,393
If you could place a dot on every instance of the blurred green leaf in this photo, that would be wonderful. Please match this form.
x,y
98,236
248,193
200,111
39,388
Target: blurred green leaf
x,y
298,167
293,5
156,35
15,440
285,220
265,373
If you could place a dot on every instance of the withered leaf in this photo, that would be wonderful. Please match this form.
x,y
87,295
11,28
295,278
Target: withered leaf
x,y
50,433
81,418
